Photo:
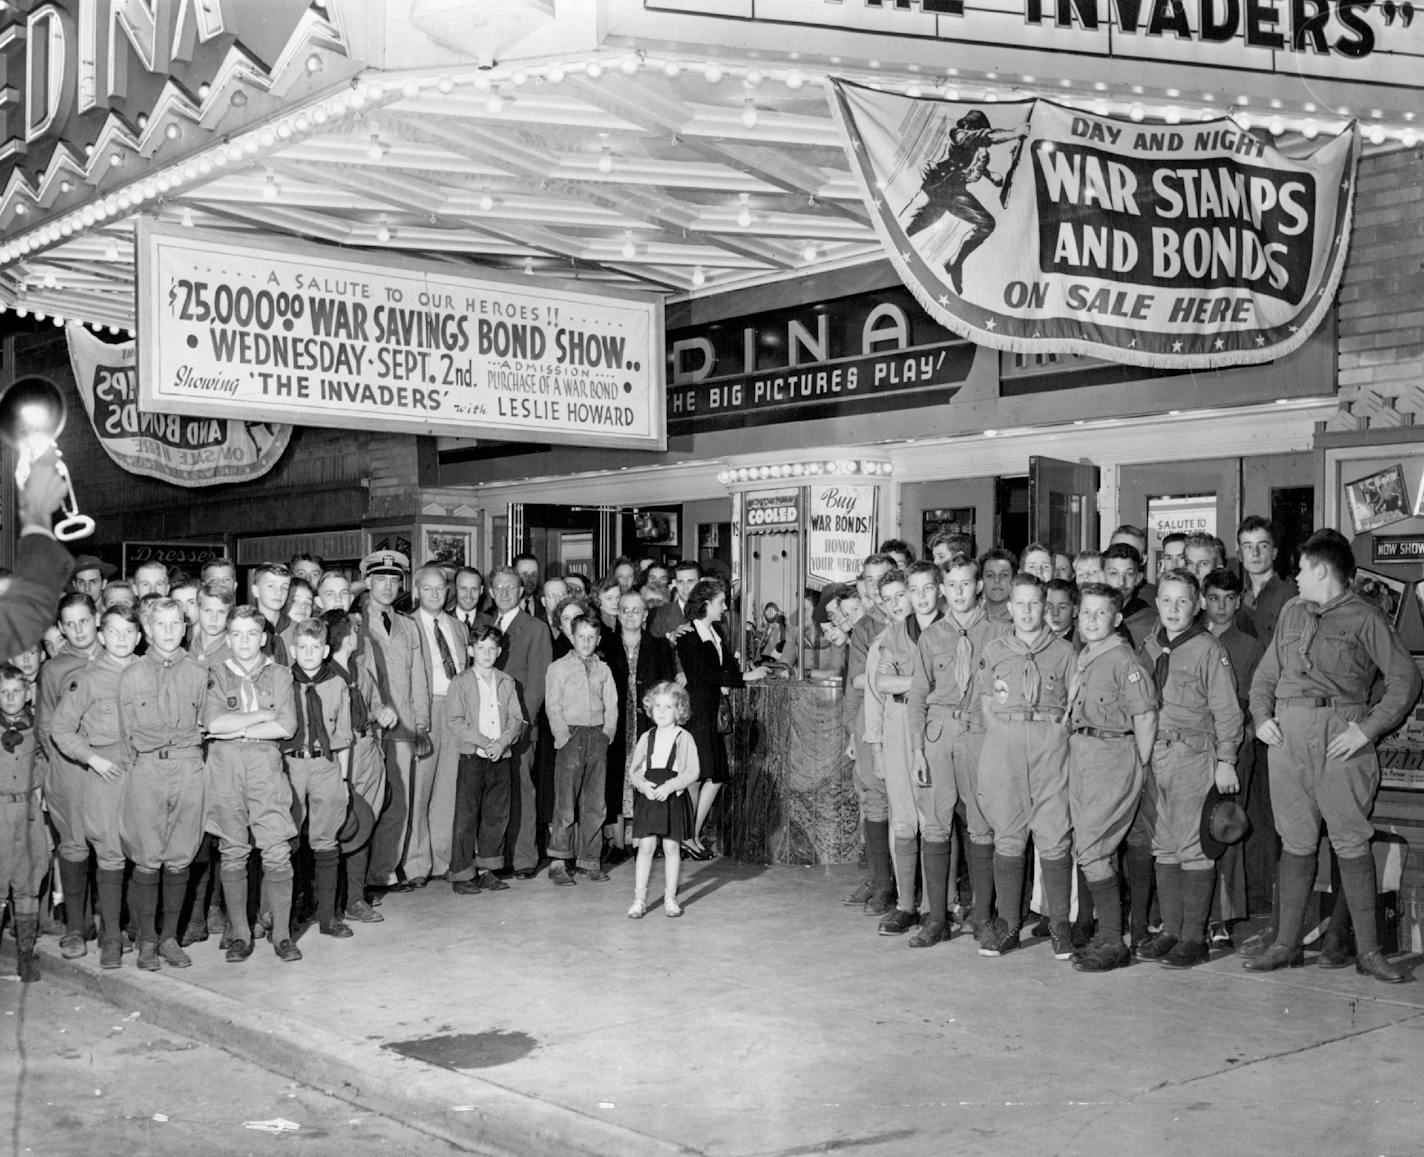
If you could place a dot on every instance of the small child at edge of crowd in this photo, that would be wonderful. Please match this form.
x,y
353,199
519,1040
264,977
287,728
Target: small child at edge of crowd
x,y
664,766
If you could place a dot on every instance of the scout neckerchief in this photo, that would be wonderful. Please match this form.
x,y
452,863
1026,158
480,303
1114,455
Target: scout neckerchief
x,y
964,649
360,719
311,724
247,701
1032,680
15,730
1164,660
912,624
1313,614
1086,656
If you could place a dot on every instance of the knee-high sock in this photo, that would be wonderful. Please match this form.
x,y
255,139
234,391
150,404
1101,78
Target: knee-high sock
x,y
1357,878
907,870
981,883
935,857
1169,895
1107,902
326,866
175,889
355,864
877,855
109,886
234,887
1197,888
1085,900
279,895
74,879
1057,887
1296,876
1141,870
1009,883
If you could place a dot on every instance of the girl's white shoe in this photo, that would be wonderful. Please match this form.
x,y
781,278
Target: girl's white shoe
x,y
671,908
637,910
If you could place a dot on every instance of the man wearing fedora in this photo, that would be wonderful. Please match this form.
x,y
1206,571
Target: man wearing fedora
x,y
90,575
1311,702
398,660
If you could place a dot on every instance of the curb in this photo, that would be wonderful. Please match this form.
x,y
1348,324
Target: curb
x,y
467,1111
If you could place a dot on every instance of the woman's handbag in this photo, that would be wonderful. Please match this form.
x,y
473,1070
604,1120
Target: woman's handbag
x,y
724,715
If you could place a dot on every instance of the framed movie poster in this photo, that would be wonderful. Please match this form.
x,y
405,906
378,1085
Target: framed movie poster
x,y
1401,752
448,545
1378,499
1384,592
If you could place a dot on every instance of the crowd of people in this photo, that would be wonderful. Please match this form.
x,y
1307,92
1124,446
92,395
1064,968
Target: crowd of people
x,y
1063,704
186,761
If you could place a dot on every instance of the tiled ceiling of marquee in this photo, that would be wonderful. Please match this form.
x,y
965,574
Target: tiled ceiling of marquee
x,y
667,173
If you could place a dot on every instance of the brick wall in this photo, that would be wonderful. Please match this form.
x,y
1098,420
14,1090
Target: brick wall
x,y
1381,299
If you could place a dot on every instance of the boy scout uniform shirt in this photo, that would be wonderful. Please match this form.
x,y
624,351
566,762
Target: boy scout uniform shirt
x,y
88,712
335,697
1200,695
1245,653
1003,671
161,703
932,682
1332,652
1109,687
271,683
19,767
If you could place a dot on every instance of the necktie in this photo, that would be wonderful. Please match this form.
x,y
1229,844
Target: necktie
x,y
386,621
446,659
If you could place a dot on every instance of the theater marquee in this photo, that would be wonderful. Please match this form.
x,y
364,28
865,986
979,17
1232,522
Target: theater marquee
x,y
269,331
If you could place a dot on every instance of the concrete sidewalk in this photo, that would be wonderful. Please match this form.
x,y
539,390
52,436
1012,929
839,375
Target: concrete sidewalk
x,y
772,1020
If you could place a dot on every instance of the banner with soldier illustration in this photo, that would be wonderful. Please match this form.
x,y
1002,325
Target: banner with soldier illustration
x,y
1032,227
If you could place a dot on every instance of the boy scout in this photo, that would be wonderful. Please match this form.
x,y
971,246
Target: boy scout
x,y
1122,568
367,775
86,729
888,665
161,697
996,570
318,757
65,779
946,722
1221,604
248,711
877,897
1023,766
24,841
1310,700
1198,732
1112,720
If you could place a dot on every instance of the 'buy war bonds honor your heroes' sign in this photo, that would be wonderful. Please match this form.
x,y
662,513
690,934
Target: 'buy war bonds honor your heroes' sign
x,y
297,333
1034,228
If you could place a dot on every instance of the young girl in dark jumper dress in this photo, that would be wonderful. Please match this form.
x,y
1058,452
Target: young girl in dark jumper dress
x,y
664,765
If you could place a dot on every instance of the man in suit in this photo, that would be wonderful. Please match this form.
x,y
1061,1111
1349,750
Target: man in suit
x,y
42,565
553,592
446,653
524,656
526,566
668,617
471,605
397,658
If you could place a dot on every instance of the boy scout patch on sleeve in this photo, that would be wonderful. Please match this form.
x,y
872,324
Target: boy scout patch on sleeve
x,y
1225,662
1134,677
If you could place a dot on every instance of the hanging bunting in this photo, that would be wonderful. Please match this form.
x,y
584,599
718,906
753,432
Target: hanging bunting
x,y
1035,228
183,449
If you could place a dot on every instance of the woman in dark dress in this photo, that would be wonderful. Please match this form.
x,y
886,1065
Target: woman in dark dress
x,y
710,668
639,661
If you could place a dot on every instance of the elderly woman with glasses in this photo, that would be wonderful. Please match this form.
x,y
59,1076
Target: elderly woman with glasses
x,y
639,661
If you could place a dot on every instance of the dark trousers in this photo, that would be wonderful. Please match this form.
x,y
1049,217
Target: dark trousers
x,y
481,815
579,768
